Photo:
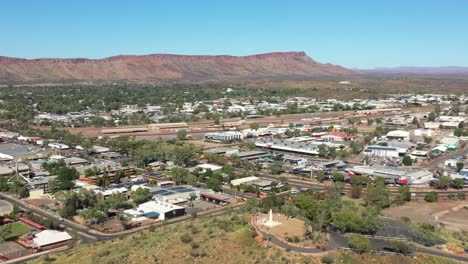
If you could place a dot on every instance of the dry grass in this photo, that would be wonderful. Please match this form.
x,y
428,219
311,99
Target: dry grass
x,y
227,239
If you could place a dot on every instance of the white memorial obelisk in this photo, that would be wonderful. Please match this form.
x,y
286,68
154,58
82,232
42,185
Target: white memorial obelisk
x,y
268,221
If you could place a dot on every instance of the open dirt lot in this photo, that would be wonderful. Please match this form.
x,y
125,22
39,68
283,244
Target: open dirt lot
x,y
451,213
288,227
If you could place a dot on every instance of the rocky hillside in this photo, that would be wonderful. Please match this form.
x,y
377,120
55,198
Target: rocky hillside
x,y
165,67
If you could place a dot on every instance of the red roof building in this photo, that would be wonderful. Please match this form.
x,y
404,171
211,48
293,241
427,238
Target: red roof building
x,y
338,136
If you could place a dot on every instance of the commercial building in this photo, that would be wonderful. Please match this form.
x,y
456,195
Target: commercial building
x,y
174,194
252,155
331,164
450,142
395,174
206,166
155,209
287,145
451,163
58,146
398,134
226,136
42,183
337,136
295,160
244,180
215,198
383,151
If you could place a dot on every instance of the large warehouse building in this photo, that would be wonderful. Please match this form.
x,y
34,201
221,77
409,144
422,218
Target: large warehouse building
x,y
226,136
395,174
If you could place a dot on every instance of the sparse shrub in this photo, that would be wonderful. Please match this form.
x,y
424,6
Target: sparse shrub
x,y
426,234
328,259
186,238
400,247
225,225
194,253
431,197
405,219
359,243
195,230
195,245
103,253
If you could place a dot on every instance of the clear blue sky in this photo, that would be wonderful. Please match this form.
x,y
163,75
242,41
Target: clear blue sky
x,y
351,33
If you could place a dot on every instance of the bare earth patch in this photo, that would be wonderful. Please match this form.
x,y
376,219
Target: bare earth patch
x,y
451,213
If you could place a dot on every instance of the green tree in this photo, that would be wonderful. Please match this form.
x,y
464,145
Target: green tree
x,y
276,167
320,175
192,180
183,154
355,147
338,177
460,166
407,161
431,117
93,214
214,184
3,184
347,221
323,151
359,243
290,210
179,175
377,196
372,222
400,247
359,180
68,211
141,195
23,192
5,231
405,194
458,183
443,182
182,134
356,191
458,132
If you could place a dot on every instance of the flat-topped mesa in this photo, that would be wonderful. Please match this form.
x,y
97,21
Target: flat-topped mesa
x,y
167,67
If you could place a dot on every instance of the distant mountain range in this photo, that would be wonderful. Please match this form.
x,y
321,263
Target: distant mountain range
x,y
449,70
166,67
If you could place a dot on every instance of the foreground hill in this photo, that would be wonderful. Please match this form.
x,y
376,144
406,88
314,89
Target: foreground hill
x,y
220,240
165,67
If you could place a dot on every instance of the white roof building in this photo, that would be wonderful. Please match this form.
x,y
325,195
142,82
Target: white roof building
x,y
109,192
240,181
155,209
398,134
98,149
58,146
49,237
206,166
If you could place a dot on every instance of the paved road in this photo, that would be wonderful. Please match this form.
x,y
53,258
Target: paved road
x,y
88,235
434,163
286,246
338,240
320,187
